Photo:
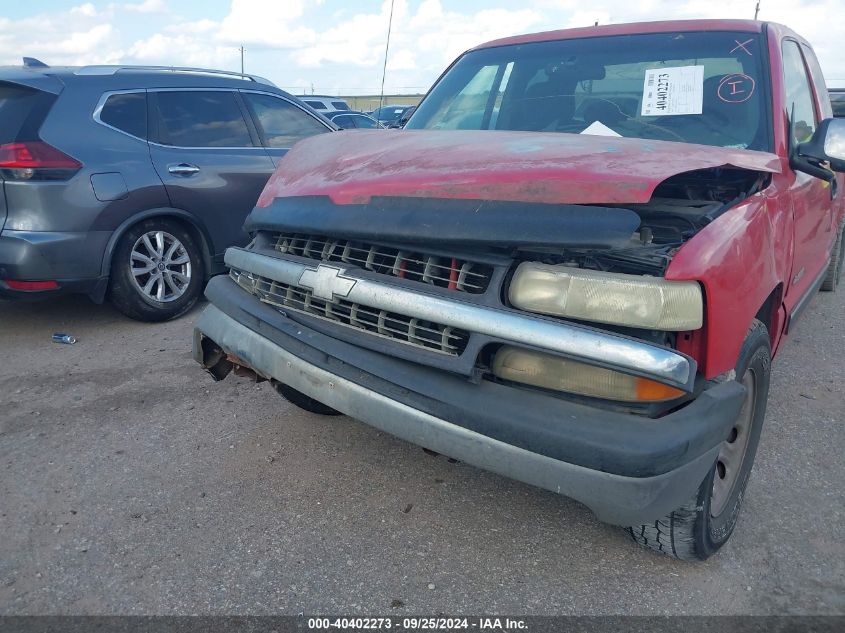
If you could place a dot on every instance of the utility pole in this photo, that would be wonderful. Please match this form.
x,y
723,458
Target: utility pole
x,y
241,49
757,10
386,49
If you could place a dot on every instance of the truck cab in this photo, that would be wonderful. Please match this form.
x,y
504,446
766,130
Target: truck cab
x,y
572,267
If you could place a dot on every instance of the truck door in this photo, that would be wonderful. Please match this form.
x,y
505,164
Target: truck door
x,y
811,197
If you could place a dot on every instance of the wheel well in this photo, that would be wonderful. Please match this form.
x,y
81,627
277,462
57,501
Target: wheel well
x,y
196,233
182,219
767,314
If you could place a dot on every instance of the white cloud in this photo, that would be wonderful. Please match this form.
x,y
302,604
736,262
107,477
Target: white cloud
x,y
181,50
198,27
87,10
83,43
424,39
356,41
79,36
267,23
339,45
148,6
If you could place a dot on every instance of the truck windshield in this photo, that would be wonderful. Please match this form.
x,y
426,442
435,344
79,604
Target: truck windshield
x,y
702,87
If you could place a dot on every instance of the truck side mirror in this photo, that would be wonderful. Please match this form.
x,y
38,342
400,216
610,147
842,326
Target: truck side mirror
x,y
826,144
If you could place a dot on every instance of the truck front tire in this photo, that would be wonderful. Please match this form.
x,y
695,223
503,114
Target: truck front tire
x,y
700,527
302,401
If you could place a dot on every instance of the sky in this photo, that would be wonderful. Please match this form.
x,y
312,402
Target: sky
x,y
337,46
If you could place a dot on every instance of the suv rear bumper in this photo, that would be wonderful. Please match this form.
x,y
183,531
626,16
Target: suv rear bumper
x,y
72,259
628,469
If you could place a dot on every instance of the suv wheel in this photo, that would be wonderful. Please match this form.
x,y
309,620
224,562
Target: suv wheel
x,y
700,527
837,257
156,272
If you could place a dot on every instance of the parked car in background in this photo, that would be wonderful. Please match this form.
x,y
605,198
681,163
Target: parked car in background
x,y
323,104
351,120
537,279
390,114
131,182
837,101
402,120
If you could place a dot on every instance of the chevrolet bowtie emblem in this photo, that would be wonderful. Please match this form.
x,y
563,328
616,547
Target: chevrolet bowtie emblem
x,y
326,282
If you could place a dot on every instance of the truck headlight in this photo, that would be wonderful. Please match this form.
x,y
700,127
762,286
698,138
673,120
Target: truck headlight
x,y
562,374
619,299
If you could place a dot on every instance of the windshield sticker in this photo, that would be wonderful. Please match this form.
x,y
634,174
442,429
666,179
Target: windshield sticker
x,y
736,88
675,90
597,128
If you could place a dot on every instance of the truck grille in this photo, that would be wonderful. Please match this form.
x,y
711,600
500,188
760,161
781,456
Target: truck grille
x,y
397,327
445,272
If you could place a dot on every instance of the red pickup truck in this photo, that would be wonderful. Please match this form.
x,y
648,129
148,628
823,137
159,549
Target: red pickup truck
x,y
572,267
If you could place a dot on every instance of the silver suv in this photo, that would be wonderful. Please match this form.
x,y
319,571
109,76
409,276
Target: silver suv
x,y
131,182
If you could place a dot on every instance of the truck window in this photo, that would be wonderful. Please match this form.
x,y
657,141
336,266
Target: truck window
x,y
696,87
818,81
800,107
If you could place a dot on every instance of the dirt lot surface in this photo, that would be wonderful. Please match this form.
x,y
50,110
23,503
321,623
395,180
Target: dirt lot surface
x,y
131,483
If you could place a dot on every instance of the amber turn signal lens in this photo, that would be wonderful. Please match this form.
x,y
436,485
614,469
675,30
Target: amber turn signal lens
x,y
651,391
571,376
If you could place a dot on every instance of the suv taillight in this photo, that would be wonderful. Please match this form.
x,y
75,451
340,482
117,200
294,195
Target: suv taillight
x,y
36,160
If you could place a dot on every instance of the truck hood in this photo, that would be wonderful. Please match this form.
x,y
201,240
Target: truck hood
x,y
353,166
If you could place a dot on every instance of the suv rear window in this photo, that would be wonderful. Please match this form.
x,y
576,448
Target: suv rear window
x,y
127,112
317,105
340,105
22,111
201,119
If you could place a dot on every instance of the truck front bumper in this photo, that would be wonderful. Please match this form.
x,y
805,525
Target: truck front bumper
x,y
627,469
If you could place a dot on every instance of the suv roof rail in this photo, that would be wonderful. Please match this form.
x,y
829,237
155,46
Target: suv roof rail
x,y
111,70
31,62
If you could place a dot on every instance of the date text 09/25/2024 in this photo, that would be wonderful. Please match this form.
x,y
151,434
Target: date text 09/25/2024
x,y
417,623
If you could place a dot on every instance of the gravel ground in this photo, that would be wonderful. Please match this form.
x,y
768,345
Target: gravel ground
x,y
133,484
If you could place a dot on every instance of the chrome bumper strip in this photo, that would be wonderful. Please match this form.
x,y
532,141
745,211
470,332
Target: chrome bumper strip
x,y
580,343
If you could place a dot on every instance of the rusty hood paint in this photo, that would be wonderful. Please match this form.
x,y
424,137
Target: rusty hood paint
x,y
353,166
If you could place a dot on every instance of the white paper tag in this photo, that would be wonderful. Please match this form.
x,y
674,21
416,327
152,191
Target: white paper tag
x,y
675,90
597,128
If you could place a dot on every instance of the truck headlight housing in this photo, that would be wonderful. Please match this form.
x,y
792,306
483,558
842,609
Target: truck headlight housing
x,y
601,297
562,374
